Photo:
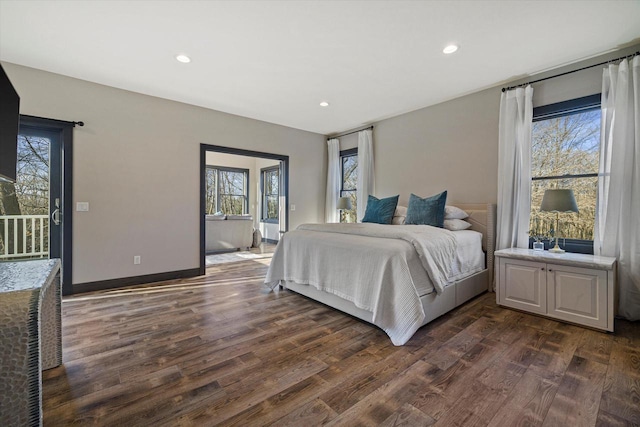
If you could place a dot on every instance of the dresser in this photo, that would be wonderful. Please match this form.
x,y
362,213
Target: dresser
x,y
571,287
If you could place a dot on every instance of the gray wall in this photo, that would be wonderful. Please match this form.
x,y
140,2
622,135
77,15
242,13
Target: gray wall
x,y
137,162
454,145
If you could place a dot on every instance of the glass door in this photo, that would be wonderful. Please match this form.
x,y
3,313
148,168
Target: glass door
x,y
30,208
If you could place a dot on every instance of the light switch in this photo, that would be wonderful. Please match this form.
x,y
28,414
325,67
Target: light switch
x,y
293,207
82,207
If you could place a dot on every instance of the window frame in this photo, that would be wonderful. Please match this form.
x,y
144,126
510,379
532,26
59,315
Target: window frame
x,y
245,204
352,152
556,110
264,195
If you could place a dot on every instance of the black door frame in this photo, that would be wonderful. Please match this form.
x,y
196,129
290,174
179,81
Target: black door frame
x,y
65,131
204,148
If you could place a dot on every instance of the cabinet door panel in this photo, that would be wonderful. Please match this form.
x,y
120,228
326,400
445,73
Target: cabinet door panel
x,y
577,295
523,285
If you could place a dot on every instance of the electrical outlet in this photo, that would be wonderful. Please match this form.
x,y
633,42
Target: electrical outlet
x,y
136,259
293,207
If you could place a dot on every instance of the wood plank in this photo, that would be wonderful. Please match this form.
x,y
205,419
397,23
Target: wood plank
x,y
527,403
578,397
223,349
621,394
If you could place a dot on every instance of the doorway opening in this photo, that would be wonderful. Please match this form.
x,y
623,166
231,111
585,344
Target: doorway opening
x,y
32,220
236,182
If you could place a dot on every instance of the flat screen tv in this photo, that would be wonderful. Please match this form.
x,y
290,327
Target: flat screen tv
x,y
9,123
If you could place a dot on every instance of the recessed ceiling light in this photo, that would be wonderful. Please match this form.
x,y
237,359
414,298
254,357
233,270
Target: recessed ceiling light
x,y
183,58
324,104
450,49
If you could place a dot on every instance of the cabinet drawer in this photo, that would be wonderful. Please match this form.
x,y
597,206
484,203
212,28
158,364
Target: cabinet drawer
x,y
522,285
577,295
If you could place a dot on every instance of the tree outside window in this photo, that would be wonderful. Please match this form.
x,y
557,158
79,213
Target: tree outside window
x,y
227,190
565,154
349,173
29,195
270,193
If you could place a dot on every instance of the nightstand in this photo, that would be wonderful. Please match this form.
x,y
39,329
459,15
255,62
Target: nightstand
x,y
576,288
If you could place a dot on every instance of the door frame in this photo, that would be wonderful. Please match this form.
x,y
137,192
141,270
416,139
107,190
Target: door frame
x,y
65,131
284,184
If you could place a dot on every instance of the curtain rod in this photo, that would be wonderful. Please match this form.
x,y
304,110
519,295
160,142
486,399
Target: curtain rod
x,y
570,72
350,133
66,122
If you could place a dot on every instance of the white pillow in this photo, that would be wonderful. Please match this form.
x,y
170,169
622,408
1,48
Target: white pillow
x,y
456,224
398,220
452,212
400,211
399,215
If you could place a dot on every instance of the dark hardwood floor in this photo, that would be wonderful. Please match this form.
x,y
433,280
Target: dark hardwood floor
x,y
223,350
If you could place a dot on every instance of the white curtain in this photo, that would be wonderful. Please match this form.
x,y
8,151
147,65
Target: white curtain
x,y
333,182
617,230
366,180
514,168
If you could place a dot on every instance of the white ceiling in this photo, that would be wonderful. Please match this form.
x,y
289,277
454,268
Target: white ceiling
x,y
276,60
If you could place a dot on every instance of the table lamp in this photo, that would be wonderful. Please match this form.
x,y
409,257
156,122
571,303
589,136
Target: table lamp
x,y
344,203
558,200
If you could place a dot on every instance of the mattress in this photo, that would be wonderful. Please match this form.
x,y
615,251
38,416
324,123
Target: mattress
x,y
469,259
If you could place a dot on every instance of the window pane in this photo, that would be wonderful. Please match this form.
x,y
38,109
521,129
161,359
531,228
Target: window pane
x,y
272,207
231,182
566,145
572,225
349,172
211,202
32,185
270,183
225,191
231,205
349,185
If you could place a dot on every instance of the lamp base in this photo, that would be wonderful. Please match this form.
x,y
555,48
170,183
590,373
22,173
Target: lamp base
x,y
556,250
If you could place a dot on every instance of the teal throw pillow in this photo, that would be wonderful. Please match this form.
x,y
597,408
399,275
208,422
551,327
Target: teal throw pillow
x,y
380,211
427,211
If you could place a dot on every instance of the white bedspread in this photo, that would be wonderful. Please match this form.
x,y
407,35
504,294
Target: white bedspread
x,y
371,265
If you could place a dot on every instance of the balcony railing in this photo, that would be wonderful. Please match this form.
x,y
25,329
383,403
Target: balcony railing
x,y
24,236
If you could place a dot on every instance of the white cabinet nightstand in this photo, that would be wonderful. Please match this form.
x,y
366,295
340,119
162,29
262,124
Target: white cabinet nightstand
x,y
576,288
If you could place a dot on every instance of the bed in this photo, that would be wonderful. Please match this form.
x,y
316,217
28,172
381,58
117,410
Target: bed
x,y
398,277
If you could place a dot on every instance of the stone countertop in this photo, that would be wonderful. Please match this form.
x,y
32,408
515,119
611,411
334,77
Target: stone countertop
x,y
26,275
566,258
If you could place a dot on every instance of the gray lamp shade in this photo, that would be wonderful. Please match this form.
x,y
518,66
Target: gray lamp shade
x,y
558,200
344,203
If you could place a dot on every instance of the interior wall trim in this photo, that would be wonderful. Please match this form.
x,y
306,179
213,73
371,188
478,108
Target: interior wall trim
x,y
102,285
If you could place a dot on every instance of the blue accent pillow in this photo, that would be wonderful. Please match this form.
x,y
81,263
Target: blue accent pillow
x,y
427,211
380,211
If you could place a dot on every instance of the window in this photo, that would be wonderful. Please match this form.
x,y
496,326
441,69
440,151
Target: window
x,y
565,149
270,182
227,190
349,182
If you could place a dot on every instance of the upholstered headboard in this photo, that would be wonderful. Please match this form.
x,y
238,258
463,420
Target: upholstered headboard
x,y
483,219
